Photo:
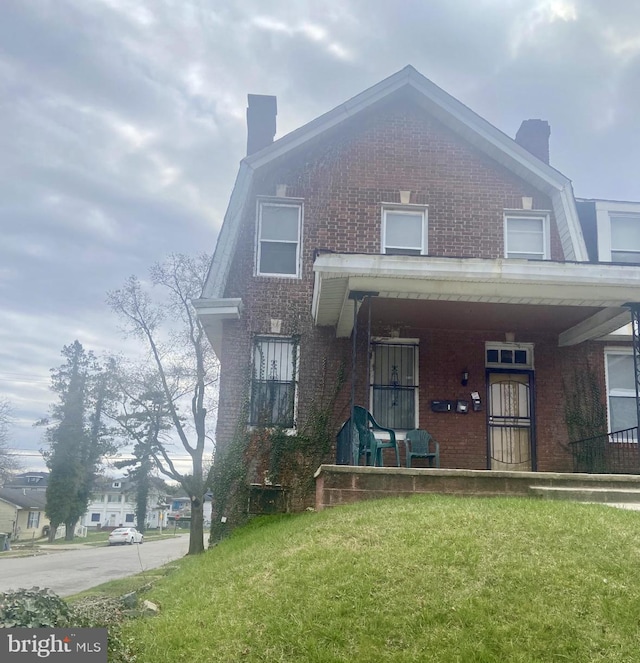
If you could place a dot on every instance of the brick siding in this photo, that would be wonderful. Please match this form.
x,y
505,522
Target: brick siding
x,y
343,179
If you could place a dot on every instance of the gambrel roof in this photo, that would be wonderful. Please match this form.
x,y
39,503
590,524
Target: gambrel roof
x,y
435,101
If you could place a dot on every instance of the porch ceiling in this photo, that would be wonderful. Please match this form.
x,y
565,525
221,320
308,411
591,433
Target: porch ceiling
x,y
578,301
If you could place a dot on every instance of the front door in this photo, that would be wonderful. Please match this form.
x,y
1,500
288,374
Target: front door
x,y
510,429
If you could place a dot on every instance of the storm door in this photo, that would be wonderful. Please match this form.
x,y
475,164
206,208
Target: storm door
x,y
510,422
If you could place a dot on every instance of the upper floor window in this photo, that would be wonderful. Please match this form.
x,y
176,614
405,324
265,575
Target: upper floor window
x,y
526,236
278,238
625,238
618,228
273,385
404,231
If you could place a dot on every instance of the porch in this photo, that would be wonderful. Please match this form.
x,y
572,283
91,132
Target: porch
x,y
485,354
343,484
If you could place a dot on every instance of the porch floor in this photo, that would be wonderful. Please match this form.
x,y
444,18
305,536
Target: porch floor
x,y
344,484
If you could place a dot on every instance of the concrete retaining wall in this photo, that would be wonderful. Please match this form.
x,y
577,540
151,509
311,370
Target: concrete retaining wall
x,y
344,484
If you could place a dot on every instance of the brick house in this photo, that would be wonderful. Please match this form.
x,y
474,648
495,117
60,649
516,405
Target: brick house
x,y
445,268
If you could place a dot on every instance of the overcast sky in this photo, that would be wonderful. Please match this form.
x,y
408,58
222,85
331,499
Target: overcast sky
x,y
123,122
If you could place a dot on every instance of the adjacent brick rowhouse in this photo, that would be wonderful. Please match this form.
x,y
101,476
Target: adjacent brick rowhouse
x,y
343,180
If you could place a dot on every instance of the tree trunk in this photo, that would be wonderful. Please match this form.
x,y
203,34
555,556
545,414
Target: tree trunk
x,y
196,543
52,532
70,530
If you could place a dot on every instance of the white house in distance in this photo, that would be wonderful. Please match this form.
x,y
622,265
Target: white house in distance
x,y
114,505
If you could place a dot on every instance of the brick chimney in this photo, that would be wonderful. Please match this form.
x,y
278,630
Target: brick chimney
x,y
533,135
261,121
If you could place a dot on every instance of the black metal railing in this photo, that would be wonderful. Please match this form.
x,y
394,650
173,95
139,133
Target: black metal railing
x,y
609,453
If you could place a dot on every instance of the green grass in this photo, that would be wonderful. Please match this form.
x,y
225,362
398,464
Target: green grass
x,y
421,579
117,588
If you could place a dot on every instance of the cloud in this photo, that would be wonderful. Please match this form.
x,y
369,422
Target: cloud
x,y
123,125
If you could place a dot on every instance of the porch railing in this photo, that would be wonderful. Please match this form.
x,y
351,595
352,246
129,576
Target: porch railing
x,y
609,453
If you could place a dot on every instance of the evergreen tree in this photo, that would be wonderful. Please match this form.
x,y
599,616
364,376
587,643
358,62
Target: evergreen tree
x,y
75,435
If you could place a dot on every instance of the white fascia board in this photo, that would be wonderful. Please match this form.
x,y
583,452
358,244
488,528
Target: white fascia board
x,y
566,213
475,280
216,281
212,313
476,269
226,308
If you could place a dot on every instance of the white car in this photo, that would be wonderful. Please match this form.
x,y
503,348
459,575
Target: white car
x,y
124,535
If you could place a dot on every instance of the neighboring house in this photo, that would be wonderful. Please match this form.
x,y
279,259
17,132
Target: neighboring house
x,y
29,481
446,265
22,513
180,509
113,504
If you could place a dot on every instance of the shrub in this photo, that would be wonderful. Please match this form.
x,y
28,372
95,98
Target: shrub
x,y
33,608
42,608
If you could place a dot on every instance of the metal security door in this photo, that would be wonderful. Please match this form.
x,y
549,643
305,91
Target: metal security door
x,y
510,429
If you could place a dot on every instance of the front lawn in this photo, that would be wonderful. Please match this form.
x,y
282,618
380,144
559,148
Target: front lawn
x,y
421,579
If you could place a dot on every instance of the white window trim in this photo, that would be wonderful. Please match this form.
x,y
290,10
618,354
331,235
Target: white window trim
x,y
400,434
536,214
296,377
604,210
410,209
627,393
278,202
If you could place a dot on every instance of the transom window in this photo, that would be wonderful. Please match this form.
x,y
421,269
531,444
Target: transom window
x,y
625,238
274,375
526,237
394,386
509,355
278,238
621,390
404,231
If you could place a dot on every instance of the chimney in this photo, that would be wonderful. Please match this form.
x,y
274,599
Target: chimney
x,y
533,135
261,121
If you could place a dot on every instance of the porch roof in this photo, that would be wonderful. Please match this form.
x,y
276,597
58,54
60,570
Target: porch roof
x,y
594,293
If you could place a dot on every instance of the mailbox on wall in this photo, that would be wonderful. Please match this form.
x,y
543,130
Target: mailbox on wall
x,y
442,406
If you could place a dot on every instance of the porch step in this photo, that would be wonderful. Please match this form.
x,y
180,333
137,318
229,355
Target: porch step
x,y
584,494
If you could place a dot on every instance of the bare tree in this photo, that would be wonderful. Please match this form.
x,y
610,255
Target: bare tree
x,y
8,461
184,361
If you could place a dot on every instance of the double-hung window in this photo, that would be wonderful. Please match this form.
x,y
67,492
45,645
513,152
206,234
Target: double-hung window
x,y
278,240
273,385
33,519
625,238
621,390
404,231
618,229
394,385
526,236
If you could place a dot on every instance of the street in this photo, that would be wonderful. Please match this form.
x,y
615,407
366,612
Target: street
x,y
68,572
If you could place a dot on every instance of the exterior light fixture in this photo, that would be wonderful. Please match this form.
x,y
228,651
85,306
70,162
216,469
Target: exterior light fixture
x,y
465,378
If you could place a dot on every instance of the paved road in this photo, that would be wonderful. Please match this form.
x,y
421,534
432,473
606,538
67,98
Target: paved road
x,y
68,572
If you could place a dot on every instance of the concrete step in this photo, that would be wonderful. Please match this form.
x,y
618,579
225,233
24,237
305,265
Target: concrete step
x,y
588,494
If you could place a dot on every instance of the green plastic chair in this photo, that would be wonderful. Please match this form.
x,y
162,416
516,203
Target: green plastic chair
x,y
420,444
370,446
